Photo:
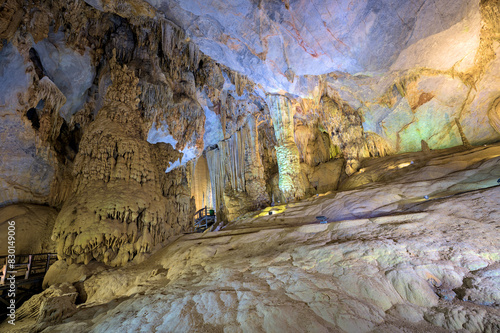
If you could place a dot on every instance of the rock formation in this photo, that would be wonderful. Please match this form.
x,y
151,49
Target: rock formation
x,y
348,149
116,208
287,154
34,224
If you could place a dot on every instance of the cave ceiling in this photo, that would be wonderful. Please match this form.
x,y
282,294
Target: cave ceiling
x,y
276,42
366,78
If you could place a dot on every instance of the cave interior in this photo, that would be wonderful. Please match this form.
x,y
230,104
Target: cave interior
x,y
252,166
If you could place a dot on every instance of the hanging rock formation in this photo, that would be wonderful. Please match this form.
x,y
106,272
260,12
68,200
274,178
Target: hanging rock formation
x,y
237,173
344,125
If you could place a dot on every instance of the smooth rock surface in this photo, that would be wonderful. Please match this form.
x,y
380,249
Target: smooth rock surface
x,y
33,228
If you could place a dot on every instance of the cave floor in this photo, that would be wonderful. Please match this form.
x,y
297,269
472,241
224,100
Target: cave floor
x,y
408,247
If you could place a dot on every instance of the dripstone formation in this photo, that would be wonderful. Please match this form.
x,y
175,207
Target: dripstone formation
x,y
117,209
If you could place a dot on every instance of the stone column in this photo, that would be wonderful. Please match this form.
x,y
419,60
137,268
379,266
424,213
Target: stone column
x,y
287,153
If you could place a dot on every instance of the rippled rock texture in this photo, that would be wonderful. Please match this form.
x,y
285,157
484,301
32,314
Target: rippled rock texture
x,y
117,157
389,259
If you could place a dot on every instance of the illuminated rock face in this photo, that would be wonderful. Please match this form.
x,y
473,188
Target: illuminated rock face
x,y
408,68
33,225
361,80
287,154
201,189
278,41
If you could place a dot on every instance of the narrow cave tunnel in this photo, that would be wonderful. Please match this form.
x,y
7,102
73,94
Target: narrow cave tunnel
x,y
264,166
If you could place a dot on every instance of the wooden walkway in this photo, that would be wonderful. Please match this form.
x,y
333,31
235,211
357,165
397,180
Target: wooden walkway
x,y
204,219
28,271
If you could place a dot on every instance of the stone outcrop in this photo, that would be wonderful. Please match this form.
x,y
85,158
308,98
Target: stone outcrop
x,y
50,307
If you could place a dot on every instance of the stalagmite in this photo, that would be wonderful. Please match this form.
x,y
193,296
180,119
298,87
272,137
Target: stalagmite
x,y
290,182
117,209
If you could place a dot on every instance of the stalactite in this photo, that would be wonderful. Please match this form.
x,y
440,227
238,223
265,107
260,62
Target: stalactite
x,y
217,170
227,164
49,92
234,148
377,146
180,53
155,97
54,99
170,37
237,172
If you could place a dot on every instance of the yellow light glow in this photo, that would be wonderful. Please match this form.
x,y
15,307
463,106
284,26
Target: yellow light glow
x,y
400,166
275,210
404,165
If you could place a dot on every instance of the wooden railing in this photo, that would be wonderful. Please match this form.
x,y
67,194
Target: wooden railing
x,y
27,267
203,219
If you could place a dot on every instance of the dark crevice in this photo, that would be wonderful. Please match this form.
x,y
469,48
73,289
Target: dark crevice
x,y
37,63
68,141
32,115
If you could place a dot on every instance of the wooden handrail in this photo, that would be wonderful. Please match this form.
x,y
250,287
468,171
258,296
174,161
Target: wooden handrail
x,y
4,274
200,213
34,264
203,220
